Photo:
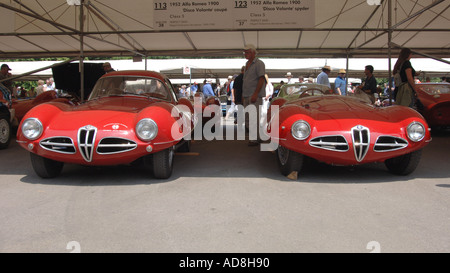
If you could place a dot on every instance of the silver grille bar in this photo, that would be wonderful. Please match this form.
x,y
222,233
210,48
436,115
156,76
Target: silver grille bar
x,y
86,141
361,141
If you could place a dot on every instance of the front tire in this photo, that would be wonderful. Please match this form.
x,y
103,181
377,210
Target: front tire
x,y
289,161
405,164
44,167
5,133
162,163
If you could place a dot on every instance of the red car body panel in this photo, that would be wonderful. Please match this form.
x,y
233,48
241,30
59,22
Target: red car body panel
x,y
22,106
332,118
115,118
435,98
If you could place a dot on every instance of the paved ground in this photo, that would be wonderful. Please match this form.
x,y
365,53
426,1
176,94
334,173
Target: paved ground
x,y
227,197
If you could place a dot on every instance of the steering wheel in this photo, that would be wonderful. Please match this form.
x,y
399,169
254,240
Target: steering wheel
x,y
311,92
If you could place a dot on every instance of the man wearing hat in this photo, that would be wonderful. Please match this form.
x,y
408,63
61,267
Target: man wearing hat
x,y
107,67
289,77
339,83
322,78
4,74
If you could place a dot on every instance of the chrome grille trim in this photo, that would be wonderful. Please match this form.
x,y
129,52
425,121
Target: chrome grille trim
x,y
335,143
389,143
112,145
86,141
63,145
361,141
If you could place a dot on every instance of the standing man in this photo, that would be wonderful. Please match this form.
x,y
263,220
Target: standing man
x,y
370,84
322,78
4,74
254,87
339,83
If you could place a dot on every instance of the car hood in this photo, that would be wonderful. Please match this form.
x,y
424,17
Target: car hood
x,y
118,111
119,103
335,107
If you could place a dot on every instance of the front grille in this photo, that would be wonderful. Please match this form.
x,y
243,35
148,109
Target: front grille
x,y
112,145
62,145
331,143
361,141
389,143
86,141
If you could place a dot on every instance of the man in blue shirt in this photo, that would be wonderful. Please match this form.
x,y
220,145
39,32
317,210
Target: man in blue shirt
x,y
207,89
322,78
339,83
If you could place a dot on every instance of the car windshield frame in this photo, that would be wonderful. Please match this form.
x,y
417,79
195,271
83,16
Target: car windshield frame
x,y
435,89
131,85
298,88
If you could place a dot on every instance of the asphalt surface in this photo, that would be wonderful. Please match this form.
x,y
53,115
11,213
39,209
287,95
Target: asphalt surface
x,y
226,197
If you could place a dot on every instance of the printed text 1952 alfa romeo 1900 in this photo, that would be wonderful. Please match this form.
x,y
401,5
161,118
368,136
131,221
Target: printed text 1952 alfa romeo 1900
x,y
130,115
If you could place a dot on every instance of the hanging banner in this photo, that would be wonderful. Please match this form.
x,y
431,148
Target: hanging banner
x,y
191,15
273,14
225,14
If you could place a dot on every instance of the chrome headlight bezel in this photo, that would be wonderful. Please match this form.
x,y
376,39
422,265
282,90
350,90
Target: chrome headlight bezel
x,y
301,130
146,129
416,131
32,128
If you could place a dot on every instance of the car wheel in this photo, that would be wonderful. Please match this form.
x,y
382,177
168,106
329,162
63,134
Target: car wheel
x,y
405,164
5,133
289,161
162,163
44,167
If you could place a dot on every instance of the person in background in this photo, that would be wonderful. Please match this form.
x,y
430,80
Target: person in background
x,y
322,78
254,87
40,88
370,83
405,93
207,89
339,83
107,67
4,74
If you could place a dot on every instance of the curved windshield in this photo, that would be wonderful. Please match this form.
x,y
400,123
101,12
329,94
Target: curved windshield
x,y
436,89
296,89
130,85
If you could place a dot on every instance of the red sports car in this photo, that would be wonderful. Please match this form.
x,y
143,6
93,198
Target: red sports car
x,y
435,98
343,130
130,115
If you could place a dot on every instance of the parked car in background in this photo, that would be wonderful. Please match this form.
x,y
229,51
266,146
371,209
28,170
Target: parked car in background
x,y
22,106
130,116
435,98
5,126
342,130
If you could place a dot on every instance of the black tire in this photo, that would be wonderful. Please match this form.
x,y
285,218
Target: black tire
x,y
405,164
289,161
5,133
162,163
44,167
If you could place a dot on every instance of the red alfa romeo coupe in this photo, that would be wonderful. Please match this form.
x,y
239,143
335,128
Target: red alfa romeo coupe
x,y
130,115
342,130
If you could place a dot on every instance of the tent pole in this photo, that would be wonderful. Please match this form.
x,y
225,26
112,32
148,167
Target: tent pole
x,y
389,50
82,50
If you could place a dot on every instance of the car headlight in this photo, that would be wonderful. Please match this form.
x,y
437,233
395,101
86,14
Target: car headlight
x,y
32,128
416,131
146,129
300,130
